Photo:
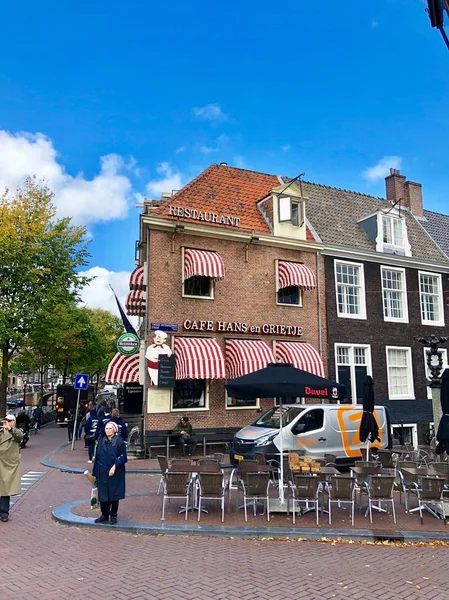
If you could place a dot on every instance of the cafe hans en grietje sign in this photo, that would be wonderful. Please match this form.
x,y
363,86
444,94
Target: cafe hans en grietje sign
x,y
241,327
203,215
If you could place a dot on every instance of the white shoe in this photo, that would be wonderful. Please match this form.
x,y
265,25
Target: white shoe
x,y
89,461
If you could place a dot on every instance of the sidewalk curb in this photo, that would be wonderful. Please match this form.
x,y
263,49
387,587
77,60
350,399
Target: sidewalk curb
x,y
47,462
63,514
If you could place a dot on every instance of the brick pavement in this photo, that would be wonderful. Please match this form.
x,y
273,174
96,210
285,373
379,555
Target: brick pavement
x,y
42,559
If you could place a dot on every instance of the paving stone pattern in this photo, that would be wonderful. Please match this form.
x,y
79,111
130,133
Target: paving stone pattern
x,y
42,559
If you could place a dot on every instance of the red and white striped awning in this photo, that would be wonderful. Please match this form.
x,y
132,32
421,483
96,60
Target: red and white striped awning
x,y
198,358
246,356
123,369
137,278
203,262
300,355
135,303
295,274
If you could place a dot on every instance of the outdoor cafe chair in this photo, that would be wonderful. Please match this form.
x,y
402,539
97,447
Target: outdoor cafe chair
x,y
260,457
163,465
245,466
379,489
405,479
429,489
209,461
211,486
255,486
330,459
386,459
176,485
305,488
180,461
218,456
341,489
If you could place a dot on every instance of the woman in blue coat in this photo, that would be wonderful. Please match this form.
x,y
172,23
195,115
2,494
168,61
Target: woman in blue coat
x,y
109,470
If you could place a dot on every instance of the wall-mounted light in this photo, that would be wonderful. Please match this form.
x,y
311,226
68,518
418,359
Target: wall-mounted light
x,y
178,229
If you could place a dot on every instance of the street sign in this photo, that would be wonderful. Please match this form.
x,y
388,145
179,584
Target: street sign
x,y
164,327
81,381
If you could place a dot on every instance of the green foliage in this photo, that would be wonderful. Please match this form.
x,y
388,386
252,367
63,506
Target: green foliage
x,y
39,258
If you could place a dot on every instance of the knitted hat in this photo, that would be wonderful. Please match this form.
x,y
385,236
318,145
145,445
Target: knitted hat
x,y
113,425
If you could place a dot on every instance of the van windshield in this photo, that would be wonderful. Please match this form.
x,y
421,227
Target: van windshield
x,y
271,417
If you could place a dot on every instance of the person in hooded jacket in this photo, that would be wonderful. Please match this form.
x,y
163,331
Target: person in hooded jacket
x,y
99,432
109,471
10,438
122,428
90,429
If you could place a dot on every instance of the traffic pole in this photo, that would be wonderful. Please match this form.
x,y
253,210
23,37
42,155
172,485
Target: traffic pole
x,y
75,421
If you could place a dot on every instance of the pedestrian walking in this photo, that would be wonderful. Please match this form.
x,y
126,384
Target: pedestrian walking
x,y
90,429
109,471
10,438
122,428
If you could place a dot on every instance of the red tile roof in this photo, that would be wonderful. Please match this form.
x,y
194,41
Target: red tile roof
x,y
227,191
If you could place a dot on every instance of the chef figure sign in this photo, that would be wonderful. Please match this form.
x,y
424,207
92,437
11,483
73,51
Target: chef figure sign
x,y
153,351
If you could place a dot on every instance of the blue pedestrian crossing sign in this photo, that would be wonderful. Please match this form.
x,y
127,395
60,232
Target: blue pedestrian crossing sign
x,y
81,381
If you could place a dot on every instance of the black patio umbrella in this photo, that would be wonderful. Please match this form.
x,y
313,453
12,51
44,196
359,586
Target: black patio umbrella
x,y
443,427
282,380
368,430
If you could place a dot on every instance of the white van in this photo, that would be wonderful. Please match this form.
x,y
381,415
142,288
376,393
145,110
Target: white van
x,y
316,429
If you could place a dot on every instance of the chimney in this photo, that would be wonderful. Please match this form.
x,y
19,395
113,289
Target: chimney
x,y
395,186
407,193
413,198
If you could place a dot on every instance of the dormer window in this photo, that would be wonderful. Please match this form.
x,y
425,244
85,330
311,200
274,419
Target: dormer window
x,y
291,210
393,235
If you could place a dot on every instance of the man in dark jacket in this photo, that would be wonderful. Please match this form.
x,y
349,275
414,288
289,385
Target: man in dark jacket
x,y
23,421
90,429
122,428
186,438
102,422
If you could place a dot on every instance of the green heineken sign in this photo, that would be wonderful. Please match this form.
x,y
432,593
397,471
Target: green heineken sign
x,y
128,343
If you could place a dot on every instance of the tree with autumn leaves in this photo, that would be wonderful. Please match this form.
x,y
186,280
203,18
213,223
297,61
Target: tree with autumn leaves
x,y
39,258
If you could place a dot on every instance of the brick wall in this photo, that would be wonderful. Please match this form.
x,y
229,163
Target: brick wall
x,y
376,332
247,294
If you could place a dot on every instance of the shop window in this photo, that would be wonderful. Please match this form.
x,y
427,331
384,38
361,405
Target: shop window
x,y
238,403
190,394
199,286
290,295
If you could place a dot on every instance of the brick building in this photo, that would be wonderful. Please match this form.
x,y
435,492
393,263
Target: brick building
x,y
230,262
386,285
246,268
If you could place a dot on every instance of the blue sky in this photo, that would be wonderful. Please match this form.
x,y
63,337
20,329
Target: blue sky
x,y
134,98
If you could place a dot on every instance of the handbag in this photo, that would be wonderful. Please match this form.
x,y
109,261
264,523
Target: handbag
x,y
94,499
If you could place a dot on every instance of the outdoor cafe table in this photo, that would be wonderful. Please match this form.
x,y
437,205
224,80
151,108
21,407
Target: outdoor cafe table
x,y
194,468
372,471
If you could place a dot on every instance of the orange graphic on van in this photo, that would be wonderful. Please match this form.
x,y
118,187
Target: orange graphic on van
x,y
348,418
306,442
249,432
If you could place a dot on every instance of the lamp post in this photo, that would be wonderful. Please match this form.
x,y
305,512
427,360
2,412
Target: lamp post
x,y
24,374
435,363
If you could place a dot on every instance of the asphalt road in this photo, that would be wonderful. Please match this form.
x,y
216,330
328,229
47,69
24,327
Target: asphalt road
x,y
42,559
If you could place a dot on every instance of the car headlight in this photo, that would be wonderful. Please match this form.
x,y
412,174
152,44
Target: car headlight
x,y
265,440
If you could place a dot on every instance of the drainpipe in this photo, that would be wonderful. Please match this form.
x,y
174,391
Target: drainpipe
x,y
145,342
318,293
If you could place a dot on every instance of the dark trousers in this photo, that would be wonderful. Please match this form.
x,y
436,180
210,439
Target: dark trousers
x,y
190,443
4,506
90,449
109,509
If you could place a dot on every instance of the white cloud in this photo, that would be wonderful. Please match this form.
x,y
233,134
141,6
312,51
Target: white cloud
x,y
105,197
180,149
98,294
210,112
171,180
286,148
239,162
209,149
382,168
221,139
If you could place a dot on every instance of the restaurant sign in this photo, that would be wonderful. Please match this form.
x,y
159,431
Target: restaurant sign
x,y
203,215
241,327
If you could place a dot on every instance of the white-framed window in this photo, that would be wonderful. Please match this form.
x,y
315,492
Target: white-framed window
x,y
291,210
431,298
350,289
198,286
400,373
352,365
238,404
392,234
445,366
405,435
394,294
190,395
